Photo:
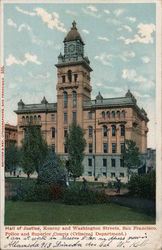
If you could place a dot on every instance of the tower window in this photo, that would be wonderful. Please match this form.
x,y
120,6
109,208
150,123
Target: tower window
x,y
105,146
90,148
65,118
113,148
104,130
113,130
63,79
122,130
90,131
74,99
65,100
69,75
75,77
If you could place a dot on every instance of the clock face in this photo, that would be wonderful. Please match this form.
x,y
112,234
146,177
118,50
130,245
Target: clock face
x,y
71,48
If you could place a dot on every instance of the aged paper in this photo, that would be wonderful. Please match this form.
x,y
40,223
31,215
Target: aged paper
x,y
123,44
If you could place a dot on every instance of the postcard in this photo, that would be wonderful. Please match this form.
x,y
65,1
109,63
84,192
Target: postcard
x,y
81,128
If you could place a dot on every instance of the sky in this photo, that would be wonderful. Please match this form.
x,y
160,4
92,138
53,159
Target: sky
x,y
120,42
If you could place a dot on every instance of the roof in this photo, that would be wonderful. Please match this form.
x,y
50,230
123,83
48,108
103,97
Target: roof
x,y
73,34
41,107
108,102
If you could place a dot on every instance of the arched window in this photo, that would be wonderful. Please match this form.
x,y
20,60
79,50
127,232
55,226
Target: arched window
x,y
113,114
103,114
118,114
122,130
65,100
74,99
123,113
53,132
35,119
27,118
113,130
90,129
31,119
69,75
108,114
39,118
104,130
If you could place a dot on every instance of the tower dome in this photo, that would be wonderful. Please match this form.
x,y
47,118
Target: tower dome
x,y
73,34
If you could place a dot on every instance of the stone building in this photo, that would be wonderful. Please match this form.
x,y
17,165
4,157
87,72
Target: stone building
x,y
107,122
10,134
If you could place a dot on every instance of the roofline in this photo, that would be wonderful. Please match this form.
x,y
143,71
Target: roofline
x,y
60,65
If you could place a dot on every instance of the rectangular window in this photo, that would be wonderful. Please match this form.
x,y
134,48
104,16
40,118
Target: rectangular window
x,y
113,163
65,132
90,148
53,148
89,173
65,118
53,132
52,117
89,115
104,174
65,148
122,148
63,79
105,146
90,162
121,163
121,174
104,162
74,117
112,175
113,148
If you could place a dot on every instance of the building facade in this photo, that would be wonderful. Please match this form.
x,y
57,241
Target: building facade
x,y
107,122
10,135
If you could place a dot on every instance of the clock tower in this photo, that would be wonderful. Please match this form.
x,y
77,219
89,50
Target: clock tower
x,y
73,85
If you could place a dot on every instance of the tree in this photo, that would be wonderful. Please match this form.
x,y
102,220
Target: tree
x,y
11,158
75,143
52,171
33,151
131,156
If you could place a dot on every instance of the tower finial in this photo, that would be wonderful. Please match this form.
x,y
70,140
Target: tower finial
x,y
74,25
